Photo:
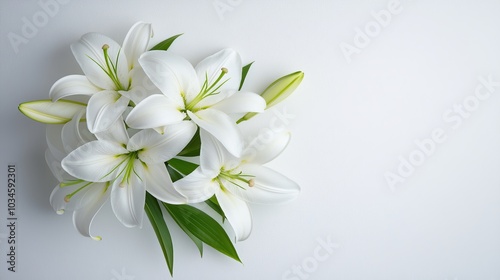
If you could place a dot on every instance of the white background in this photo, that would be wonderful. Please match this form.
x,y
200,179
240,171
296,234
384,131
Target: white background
x,y
351,124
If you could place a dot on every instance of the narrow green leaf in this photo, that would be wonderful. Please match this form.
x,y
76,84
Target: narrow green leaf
x,y
174,174
192,149
196,240
244,72
46,111
165,44
182,166
155,216
203,227
214,204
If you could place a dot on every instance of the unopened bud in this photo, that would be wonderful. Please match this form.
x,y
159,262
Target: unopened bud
x,y
282,88
278,91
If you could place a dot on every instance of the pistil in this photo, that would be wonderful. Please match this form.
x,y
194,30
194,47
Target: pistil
x,y
111,68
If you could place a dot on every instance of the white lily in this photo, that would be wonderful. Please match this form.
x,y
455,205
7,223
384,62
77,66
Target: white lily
x,y
85,199
205,95
236,181
112,76
131,165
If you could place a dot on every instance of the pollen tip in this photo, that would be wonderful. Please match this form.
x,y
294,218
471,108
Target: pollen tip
x,y
251,182
105,46
97,238
60,212
67,198
224,70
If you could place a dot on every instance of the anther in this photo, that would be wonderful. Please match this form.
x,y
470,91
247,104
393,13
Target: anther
x,y
224,70
251,183
67,198
105,46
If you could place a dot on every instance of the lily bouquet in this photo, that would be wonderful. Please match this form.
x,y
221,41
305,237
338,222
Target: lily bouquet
x,y
147,131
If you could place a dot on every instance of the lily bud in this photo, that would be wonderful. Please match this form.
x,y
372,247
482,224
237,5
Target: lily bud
x,y
46,111
278,91
282,88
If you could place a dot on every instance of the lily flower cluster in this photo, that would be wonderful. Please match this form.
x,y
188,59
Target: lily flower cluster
x,y
143,127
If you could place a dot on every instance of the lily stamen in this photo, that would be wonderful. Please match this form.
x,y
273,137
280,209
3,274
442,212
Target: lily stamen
x,y
128,170
208,90
111,68
68,197
239,177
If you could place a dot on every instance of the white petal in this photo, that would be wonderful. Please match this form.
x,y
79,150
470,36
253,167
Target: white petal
x,y
57,198
158,148
236,212
141,86
54,166
196,186
90,56
72,85
212,65
54,141
209,101
213,156
154,111
73,196
136,42
159,184
94,199
241,102
221,127
262,150
172,74
128,198
104,109
96,161
270,187
71,136
117,132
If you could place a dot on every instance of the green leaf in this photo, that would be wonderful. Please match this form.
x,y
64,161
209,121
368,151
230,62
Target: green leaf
x,y
244,72
192,149
174,174
203,227
196,240
155,216
46,111
182,166
165,44
214,204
